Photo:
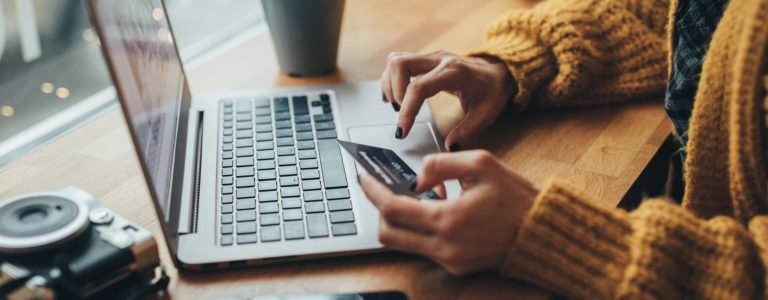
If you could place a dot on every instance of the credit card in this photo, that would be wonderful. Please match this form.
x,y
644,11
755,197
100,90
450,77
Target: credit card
x,y
387,167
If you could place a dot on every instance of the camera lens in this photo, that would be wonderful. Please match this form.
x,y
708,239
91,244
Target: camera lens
x,y
42,221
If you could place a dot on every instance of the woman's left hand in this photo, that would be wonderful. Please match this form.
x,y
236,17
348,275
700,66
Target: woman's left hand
x,y
468,234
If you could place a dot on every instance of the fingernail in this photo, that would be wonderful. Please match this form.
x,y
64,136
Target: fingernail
x,y
454,147
395,106
413,185
398,132
383,97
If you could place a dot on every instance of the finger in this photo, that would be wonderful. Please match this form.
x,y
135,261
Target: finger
x,y
473,122
386,85
400,210
441,191
444,166
426,86
402,239
403,66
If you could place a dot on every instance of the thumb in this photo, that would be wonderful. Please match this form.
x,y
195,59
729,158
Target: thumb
x,y
473,122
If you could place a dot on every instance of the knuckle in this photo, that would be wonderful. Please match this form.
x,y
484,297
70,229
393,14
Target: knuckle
x,y
431,162
397,62
455,63
483,158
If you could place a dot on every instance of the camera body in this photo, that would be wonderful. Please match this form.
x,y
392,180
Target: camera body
x,y
64,245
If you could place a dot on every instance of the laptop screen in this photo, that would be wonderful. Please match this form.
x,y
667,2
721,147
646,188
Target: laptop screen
x,y
150,82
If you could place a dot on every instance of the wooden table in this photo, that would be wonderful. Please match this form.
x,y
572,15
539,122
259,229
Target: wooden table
x,y
601,150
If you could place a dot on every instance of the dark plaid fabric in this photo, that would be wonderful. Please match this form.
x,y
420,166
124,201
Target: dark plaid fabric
x,y
695,22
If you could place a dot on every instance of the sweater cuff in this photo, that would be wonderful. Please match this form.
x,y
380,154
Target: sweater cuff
x,y
571,246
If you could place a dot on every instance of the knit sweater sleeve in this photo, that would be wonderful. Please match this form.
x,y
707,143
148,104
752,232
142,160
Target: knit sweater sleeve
x,y
587,52
571,246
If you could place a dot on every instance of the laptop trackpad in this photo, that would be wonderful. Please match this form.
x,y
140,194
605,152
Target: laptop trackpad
x,y
420,142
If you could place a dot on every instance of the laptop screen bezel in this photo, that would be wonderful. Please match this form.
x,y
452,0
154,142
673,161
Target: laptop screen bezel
x,y
169,224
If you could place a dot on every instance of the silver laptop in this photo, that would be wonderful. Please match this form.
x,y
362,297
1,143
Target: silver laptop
x,y
247,177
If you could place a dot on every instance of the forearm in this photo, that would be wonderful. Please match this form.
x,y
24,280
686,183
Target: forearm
x,y
578,53
581,250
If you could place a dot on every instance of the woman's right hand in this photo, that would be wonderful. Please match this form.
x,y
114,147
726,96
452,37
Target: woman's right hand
x,y
483,86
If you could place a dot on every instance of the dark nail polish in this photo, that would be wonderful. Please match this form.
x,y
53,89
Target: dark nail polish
x,y
398,132
454,147
383,97
413,185
395,106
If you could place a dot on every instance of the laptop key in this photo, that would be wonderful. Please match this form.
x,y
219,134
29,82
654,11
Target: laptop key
x,y
293,202
226,199
245,172
227,163
267,145
281,104
269,219
243,117
285,141
327,108
246,227
270,233
226,172
316,225
303,127
265,164
326,134
241,143
300,106
289,181
304,136
227,219
226,229
316,103
227,124
294,230
246,182
286,161
266,175
290,192
284,124
246,215
332,166
242,125
226,139
308,164
242,105
284,133
268,196
244,161
268,208
287,171
226,209
265,154
342,229
245,193
270,185
282,116
325,125
325,98
227,147
243,152
246,238
310,174
262,112
305,145
342,216
244,204
323,118
287,150
242,134
337,194
226,190
226,154
336,205
263,120
226,240
306,154
259,103
227,180
263,136
292,214
264,128
313,196
313,207
301,119
313,184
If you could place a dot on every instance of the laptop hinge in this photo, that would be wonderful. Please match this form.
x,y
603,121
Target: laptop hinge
x,y
188,221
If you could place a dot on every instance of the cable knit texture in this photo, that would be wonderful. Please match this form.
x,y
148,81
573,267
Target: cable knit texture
x,y
714,246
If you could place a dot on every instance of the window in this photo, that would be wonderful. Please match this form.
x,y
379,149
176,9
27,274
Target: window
x,y
52,74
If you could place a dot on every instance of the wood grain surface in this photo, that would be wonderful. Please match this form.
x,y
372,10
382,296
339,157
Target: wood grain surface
x,y
599,150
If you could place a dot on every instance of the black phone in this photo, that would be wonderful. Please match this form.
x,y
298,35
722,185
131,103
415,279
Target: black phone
x,y
385,295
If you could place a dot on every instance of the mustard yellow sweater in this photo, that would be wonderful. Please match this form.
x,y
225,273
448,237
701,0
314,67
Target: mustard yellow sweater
x,y
585,52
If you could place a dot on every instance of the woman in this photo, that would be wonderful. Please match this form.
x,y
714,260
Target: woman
x,y
707,57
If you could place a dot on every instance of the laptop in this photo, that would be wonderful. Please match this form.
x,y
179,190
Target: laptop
x,y
247,177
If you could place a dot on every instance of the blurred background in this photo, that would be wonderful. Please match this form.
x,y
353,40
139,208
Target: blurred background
x,y
53,76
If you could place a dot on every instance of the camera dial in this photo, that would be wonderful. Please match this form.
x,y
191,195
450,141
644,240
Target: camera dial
x,y
38,222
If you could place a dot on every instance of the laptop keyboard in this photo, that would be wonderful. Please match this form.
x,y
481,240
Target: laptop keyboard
x,y
282,177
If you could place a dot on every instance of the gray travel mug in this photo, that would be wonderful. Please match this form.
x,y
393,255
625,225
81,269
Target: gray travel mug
x,y
305,34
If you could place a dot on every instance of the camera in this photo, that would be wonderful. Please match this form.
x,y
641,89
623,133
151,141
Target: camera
x,y
64,245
